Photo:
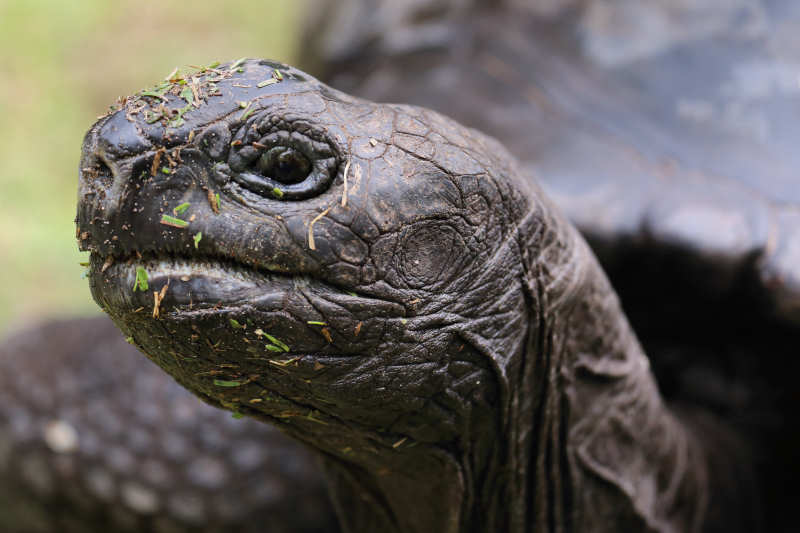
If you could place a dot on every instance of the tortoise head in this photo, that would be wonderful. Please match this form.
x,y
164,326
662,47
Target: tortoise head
x,y
285,250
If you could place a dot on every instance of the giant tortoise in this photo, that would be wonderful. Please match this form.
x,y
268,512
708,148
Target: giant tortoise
x,y
593,118
395,291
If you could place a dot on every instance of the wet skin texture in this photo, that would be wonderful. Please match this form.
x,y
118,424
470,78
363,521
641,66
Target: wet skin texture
x,y
437,330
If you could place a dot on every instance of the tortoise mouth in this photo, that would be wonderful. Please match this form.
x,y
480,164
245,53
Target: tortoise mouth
x,y
184,283
183,292
129,283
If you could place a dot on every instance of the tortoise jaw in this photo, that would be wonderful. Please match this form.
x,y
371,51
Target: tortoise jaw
x,y
179,282
237,335
178,293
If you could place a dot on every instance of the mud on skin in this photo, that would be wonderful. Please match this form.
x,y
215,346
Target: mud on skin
x,y
383,284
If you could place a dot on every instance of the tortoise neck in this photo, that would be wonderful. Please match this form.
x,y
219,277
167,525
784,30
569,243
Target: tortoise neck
x,y
605,434
454,488
403,498
629,456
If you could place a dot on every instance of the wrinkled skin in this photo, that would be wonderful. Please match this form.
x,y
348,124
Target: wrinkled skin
x,y
446,340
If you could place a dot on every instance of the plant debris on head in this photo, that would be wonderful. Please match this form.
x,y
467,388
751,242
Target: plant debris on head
x,y
194,85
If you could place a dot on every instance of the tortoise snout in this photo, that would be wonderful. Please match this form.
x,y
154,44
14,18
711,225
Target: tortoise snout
x,y
96,202
107,159
115,159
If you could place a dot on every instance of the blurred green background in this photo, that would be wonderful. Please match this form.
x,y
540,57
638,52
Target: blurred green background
x,y
63,64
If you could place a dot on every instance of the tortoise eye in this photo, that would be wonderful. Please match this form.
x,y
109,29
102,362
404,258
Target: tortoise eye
x,y
283,164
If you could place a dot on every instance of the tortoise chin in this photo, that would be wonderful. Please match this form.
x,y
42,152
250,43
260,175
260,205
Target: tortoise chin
x,y
322,273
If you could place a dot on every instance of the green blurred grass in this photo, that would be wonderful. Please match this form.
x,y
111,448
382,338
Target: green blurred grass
x,y
64,64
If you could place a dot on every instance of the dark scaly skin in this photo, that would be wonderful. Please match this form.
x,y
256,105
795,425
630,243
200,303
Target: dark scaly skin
x,y
454,351
667,132
95,438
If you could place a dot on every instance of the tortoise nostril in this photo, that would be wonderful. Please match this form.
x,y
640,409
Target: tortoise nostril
x,y
98,174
